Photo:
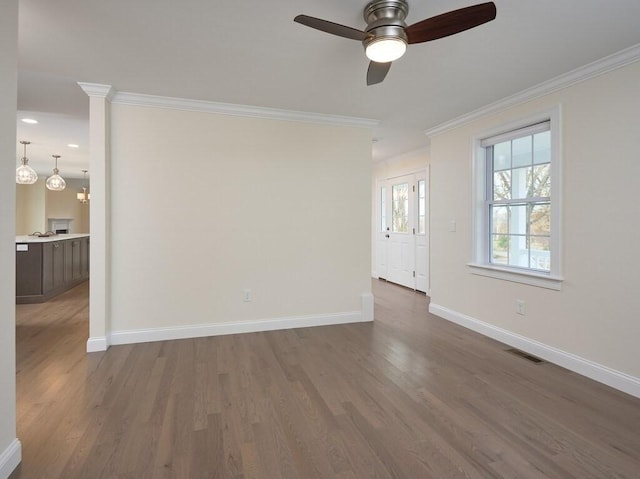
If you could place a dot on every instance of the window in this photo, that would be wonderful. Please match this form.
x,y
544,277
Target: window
x,y
422,226
516,204
400,208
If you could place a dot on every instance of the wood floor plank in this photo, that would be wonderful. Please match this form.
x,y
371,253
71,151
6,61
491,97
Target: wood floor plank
x,y
407,396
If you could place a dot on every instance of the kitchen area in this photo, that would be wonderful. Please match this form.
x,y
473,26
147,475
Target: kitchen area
x,y
52,236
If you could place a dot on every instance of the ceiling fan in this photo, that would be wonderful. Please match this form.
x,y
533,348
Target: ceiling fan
x,y
387,35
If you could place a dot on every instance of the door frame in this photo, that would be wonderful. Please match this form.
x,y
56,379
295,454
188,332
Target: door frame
x,y
419,174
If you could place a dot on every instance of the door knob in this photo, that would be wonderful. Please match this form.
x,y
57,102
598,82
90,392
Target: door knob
x,y
386,236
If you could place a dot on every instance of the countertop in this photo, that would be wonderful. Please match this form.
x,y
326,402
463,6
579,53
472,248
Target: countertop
x,y
48,239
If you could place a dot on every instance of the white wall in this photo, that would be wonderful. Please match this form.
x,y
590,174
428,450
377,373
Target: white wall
x,y
596,314
9,445
206,205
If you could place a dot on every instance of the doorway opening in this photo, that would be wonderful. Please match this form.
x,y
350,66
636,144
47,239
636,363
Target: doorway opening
x,y
402,231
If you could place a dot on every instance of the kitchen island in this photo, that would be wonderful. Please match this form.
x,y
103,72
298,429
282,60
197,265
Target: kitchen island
x,y
49,266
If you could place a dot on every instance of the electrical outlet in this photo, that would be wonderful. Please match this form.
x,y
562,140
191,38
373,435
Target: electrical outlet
x,y
248,296
521,307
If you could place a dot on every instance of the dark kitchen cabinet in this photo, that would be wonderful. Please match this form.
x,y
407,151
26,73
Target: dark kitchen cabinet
x,y
46,269
53,277
84,257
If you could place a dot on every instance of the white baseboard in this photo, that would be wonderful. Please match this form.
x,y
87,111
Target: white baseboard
x,y
219,329
598,372
10,458
97,344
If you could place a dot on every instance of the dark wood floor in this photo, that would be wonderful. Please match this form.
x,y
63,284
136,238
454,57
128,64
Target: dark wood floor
x,y
409,396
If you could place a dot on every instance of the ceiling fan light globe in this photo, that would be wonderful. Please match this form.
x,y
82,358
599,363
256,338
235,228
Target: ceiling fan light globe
x,y
385,50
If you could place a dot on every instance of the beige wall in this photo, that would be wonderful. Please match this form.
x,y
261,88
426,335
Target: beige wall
x,y
65,204
402,165
595,315
35,204
9,446
206,205
30,207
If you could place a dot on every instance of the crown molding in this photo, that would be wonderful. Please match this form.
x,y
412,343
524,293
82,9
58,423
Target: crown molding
x,y
591,70
97,89
139,99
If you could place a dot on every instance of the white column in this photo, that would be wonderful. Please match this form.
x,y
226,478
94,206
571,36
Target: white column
x,y
100,223
10,449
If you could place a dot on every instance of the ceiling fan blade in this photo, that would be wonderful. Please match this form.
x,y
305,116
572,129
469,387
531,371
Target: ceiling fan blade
x,y
451,22
377,72
330,27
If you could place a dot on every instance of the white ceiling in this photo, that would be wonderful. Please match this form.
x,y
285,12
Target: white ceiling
x,y
251,52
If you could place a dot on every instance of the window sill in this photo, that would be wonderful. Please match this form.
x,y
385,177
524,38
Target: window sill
x,y
539,280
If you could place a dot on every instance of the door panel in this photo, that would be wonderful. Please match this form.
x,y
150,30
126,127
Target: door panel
x,y
422,259
401,262
401,241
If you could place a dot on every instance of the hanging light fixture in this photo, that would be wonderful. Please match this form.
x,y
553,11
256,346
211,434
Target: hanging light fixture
x,y
84,197
25,175
55,182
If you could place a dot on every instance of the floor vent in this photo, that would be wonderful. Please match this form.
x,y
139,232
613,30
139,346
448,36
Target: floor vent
x,y
526,356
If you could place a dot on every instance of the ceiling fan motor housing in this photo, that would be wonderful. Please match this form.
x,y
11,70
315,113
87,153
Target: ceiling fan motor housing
x,y
385,19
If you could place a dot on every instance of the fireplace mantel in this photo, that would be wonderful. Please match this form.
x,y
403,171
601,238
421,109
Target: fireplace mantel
x,y
59,225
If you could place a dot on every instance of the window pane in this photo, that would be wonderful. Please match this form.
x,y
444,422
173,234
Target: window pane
x,y
520,181
518,251
542,147
540,253
400,208
500,249
502,185
518,219
522,150
383,209
421,207
502,156
541,181
540,220
500,219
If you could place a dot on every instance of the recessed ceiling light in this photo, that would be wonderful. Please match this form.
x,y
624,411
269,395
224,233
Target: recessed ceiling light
x,y
73,145
31,121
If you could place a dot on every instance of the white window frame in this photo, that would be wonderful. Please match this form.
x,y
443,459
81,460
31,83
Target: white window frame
x,y
480,263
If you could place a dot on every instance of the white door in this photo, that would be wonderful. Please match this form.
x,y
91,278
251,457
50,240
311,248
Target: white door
x,y
402,231
401,248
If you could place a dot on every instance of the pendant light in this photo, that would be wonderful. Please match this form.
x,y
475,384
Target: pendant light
x,y
84,197
25,175
55,182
